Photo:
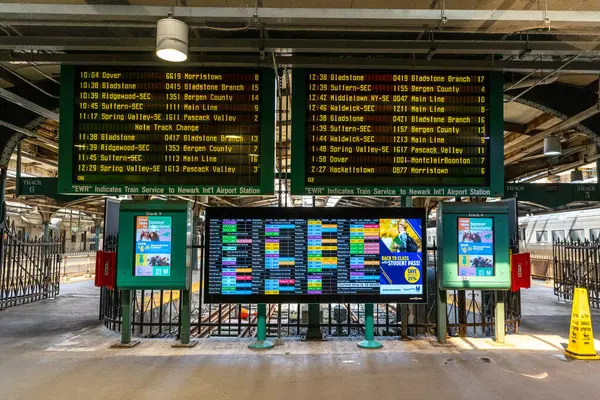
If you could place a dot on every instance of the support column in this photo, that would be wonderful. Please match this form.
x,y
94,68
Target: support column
x,y
500,323
261,335
97,237
369,342
314,322
126,324
46,237
441,302
184,333
406,201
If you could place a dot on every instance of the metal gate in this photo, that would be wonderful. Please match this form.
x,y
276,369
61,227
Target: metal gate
x,y
29,269
576,264
156,314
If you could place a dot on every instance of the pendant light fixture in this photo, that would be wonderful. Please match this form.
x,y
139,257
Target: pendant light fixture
x,y
172,39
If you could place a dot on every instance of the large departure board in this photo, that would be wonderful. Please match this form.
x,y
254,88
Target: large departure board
x,y
311,255
397,133
187,131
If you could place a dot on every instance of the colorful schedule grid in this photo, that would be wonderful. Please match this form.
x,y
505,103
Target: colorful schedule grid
x,y
279,258
236,270
475,247
364,252
309,257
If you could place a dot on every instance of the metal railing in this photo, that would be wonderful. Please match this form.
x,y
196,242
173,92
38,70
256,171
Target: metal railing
x,y
29,269
156,314
576,265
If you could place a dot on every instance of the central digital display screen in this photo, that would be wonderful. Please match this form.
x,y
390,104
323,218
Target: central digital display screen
x,y
153,246
475,247
310,255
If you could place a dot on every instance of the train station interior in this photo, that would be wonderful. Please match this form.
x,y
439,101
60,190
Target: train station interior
x,y
241,199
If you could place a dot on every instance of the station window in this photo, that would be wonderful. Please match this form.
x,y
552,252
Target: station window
x,y
558,235
594,235
577,235
541,236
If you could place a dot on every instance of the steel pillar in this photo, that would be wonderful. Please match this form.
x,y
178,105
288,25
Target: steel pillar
x,y
126,324
500,322
314,322
184,333
369,342
261,335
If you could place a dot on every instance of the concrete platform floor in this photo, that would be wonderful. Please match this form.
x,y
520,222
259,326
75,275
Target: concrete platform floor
x,y
56,349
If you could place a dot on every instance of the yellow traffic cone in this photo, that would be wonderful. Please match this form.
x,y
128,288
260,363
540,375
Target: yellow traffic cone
x,y
581,335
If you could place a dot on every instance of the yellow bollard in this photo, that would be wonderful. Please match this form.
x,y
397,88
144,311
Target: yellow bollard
x,y
581,335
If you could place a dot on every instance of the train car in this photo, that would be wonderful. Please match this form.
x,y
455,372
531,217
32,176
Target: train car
x,y
538,232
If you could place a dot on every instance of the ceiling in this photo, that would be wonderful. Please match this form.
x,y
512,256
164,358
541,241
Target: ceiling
x,y
549,52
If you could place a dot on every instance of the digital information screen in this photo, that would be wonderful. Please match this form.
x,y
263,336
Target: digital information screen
x,y
137,130
310,255
475,247
397,133
152,246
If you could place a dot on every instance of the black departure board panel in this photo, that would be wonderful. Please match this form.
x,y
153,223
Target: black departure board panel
x,y
137,130
397,133
311,255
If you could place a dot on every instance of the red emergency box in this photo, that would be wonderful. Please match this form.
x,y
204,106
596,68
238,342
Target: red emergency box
x,y
106,269
520,271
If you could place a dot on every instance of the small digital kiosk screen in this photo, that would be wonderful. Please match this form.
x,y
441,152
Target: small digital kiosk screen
x,y
475,247
324,257
153,246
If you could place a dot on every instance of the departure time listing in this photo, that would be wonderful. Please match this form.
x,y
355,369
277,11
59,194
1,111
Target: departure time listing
x,y
397,129
160,127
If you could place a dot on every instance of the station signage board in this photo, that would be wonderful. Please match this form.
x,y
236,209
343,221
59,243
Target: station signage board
x,y
175,131
397,133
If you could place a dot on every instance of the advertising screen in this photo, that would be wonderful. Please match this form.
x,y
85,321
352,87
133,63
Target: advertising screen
x,y
475,247
152,246
312,255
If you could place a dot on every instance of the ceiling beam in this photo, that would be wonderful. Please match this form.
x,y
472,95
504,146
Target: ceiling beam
x,y
528,145
15,11
514,127
342,46
31,106
222,60
537,121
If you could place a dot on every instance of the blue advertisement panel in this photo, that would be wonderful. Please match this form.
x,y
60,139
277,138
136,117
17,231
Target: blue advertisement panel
x,y
152,246
475,247
401,252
